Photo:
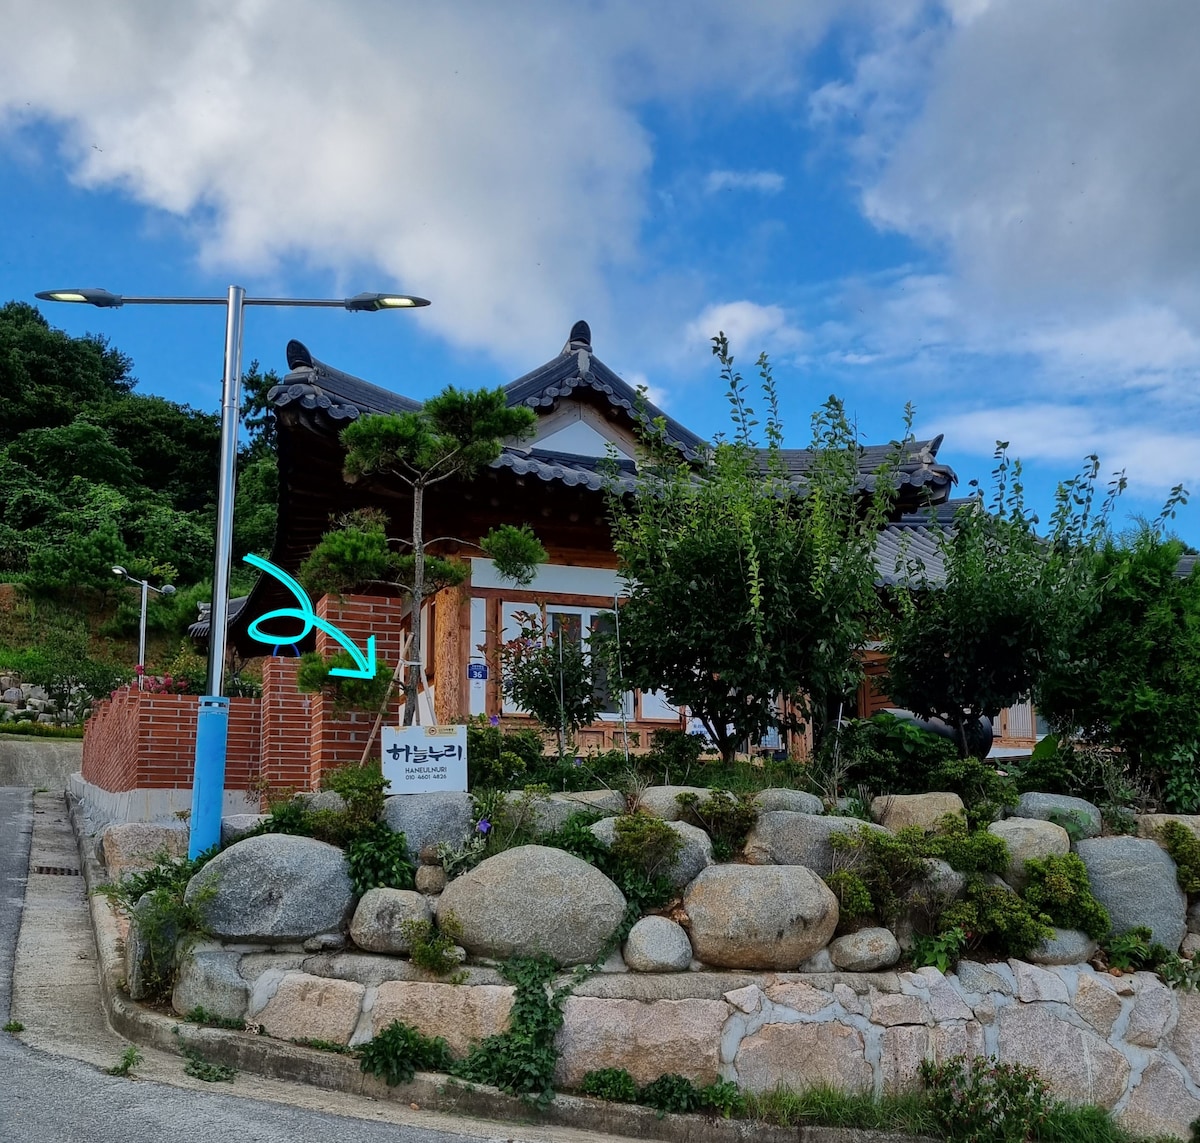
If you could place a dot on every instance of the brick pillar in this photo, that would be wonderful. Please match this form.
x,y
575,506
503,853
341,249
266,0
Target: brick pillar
x,y
338,740
285,728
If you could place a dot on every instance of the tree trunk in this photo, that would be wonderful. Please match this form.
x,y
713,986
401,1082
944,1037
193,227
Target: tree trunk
x,y
412,676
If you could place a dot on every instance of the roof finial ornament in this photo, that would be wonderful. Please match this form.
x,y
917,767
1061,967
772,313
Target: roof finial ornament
x,y
581,337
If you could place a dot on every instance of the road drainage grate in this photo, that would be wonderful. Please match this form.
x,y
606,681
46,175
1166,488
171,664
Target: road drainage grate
x,y
56,870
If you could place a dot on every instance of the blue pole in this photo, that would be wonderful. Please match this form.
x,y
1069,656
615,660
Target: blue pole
x,y
208,779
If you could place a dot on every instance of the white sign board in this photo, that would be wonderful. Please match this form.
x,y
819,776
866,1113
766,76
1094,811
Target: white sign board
x,y
417,759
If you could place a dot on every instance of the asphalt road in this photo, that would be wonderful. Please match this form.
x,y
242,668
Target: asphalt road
x,y
52,1096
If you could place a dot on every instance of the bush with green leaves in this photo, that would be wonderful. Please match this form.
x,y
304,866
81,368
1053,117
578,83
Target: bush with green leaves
x,y
727,818
673,756
671,1093
887,865
1133,670
738,588
1184,847
613,1084
938,950
1058,887
433,948
646,843
362,789
985,1101
995,917
500,759
378,859
854,898
398,1052
521,1061
169,926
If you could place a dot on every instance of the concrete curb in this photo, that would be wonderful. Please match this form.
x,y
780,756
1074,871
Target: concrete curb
x,y
278,1059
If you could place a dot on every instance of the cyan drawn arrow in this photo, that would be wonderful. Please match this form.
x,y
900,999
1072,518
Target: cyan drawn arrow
x,y
365,664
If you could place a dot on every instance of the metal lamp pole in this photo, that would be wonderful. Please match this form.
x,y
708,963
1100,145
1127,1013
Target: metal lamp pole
x,y
166,589
212,727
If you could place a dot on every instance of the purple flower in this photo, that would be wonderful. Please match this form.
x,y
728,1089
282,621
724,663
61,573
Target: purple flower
x,y
483,825
578,761
494,720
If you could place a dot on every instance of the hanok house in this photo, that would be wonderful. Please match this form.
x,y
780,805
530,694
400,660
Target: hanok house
x,y
552,481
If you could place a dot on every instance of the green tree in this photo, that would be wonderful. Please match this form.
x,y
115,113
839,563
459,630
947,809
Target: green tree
x,y
1133,674
744,585
173,448
1008,608
451,437
47,376
549,675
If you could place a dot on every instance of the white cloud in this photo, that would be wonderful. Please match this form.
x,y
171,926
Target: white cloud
x,y
1154,456
487,156
751,328
765,182
1055,155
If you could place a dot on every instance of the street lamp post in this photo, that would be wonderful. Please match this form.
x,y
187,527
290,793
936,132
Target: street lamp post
x,y
212,727
166,589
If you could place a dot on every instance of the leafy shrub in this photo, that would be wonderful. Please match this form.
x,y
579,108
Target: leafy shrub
x,y
671,1092
673,756
892,755
614,1084
888,865
854,898
315,677
940,950
985,1101
199,1068
646,843
168,925
362,788
400,1050
1184,848
500,759
1130,950
995,916
378,859
723,1097
1058,887
984,791
727,818
433,949
201,1015
521,1060
968,851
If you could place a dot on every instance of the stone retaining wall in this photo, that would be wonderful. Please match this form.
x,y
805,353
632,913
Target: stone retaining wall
x,y
1128,1044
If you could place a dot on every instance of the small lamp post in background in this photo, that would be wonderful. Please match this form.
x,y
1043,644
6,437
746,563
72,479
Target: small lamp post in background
x,y
147,588
212,725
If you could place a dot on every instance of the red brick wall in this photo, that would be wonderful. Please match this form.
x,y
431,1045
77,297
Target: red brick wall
x,y
286,722
110,742
138,740
335,740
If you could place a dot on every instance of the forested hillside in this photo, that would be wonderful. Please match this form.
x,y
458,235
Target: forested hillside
x,y
95,474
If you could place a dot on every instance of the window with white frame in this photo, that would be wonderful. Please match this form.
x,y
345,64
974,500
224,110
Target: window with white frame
x,y
577,624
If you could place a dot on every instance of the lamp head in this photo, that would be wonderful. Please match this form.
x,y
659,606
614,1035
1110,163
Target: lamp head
x,y
372,302
118,570
166,589
93,297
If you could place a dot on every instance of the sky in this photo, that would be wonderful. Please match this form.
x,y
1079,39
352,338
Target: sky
x,y
987,208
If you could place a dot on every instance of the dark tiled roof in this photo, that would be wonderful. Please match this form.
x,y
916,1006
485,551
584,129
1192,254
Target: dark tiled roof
x,y
341,397
918,467
200,629
335,398
908,549
576,369
570,468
